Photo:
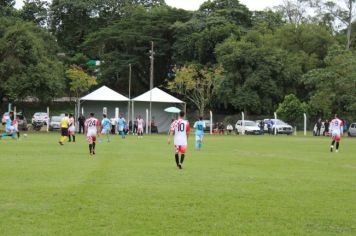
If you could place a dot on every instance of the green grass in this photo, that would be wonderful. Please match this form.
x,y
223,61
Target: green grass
x,y
236,186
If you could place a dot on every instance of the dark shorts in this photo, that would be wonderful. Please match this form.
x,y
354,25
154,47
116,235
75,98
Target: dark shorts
x,y
64,131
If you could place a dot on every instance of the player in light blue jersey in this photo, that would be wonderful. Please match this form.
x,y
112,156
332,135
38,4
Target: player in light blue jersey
x,y
10,130
199,127
105,124
121,123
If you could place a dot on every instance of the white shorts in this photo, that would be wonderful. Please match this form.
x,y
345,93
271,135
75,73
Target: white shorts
x,y
105,131
91,133
71,128
199,137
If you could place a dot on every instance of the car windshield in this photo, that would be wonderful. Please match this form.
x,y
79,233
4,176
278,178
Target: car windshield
x,y
279,122
250,123
56,118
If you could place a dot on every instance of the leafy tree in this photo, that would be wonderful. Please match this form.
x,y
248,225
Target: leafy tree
x,y
128,41
28,65
73,21
35,11
7,8
267,22
80,81
336,13
255,77
196,39
196,84
333,87
291,109
295,12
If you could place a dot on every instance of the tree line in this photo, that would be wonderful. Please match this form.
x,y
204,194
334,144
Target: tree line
x,y
222,56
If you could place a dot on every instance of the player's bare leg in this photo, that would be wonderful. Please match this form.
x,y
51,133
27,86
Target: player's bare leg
x,y
337,146
177,161
181,160
90,148
332,146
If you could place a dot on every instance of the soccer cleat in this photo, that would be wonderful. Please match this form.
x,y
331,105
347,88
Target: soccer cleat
x,y
60,143
331,148
336,150
93,152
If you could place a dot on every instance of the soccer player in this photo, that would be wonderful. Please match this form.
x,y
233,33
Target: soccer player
x,y
10,130
71,129
121,123
335,131
140,123
64,124
199,127
181,129
92,125
105,124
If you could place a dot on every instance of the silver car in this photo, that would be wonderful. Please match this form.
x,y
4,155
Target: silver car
x,y
247,127
54,123
352,130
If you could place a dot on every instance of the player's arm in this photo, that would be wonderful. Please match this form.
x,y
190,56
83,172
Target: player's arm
x,y
171,133
188,130
98,124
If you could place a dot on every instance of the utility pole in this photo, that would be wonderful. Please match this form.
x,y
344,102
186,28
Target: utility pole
x,y
152,53
129,105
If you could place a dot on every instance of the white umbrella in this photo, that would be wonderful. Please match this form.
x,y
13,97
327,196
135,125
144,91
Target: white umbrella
x,y
172,110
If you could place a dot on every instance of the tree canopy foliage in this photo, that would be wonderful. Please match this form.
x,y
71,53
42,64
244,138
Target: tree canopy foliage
x,y
261,58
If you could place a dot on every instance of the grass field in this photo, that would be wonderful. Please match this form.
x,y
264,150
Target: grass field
x,y
236,186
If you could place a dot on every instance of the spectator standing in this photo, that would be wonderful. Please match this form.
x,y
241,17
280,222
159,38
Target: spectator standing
x,y
326,129
269,126
318,127
81,121
229,128
262,126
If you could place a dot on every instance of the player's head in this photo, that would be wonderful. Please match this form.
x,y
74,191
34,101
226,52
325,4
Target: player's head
x,y
104,115
181,114
91,114
200,118
11,115
70,115
65,114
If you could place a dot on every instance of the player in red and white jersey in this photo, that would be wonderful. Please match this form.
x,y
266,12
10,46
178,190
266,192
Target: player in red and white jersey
x,y
181,130
92,126
336,129
140,123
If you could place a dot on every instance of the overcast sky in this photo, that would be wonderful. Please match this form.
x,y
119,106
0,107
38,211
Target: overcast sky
x,y
194,4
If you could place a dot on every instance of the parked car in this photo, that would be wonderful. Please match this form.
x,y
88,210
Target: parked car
x,y
247,126
352,130
40,117
54,123
280,126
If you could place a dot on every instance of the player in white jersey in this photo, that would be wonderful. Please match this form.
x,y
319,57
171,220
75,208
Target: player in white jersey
x,y
336,126
181,129
71,129
92,125
140,123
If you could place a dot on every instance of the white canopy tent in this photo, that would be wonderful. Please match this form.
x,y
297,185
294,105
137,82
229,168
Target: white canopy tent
x,y
101,100
160,101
